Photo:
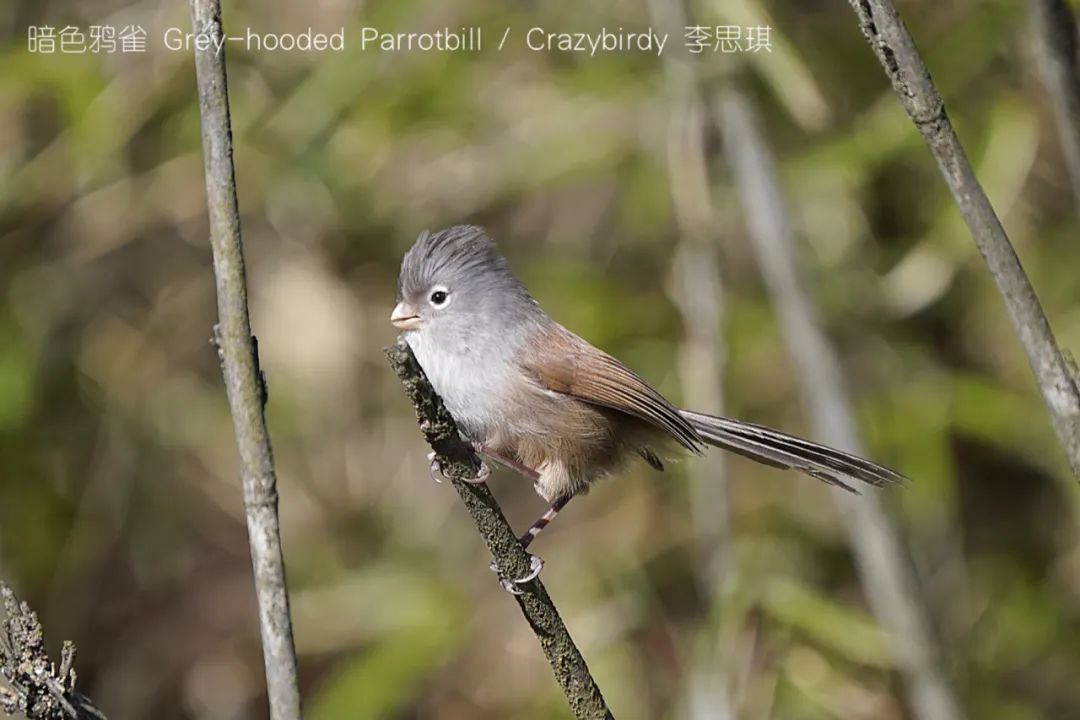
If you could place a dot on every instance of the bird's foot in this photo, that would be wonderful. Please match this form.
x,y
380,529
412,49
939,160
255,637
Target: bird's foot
x,y
438,476
514,586
481,477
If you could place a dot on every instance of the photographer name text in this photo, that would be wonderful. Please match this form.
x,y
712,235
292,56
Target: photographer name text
x,y
537,39
697,39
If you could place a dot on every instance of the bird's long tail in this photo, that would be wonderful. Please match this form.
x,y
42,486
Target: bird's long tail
x,y
785,451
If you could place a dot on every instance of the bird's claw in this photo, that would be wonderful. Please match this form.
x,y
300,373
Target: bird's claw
x,y
438,476
514,586
481,476
436,469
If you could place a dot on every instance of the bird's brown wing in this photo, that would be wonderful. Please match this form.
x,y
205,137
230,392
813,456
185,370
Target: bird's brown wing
x,y
562,362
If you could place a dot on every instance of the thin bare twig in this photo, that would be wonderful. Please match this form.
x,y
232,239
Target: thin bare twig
x,y
1055,29
39,690
891,42
885,568
459,463
240,365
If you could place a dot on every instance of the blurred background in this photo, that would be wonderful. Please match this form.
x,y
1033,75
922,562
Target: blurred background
x,y
718,589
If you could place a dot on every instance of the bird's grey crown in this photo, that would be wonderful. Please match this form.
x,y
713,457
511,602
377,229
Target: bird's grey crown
x,y
461,253
467,347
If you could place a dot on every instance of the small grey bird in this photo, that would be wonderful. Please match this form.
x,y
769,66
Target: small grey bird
x,y
534,396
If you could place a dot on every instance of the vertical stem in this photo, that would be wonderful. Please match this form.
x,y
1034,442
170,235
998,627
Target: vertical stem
x,y
240,366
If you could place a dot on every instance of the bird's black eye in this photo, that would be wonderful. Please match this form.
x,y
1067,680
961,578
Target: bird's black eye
x,y
438,297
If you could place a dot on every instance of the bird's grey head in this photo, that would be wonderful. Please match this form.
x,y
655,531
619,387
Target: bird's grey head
x,y
455,283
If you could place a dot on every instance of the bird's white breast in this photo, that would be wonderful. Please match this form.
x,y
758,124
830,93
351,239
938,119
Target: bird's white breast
x,y
474,384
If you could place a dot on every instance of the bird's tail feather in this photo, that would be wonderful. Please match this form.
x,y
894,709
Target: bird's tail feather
x,y
785,451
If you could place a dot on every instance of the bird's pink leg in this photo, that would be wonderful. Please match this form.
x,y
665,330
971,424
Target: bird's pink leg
x,y
508,463
544,520
536,564
549,514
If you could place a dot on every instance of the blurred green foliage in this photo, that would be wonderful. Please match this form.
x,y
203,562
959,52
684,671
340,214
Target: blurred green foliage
x,y
120,510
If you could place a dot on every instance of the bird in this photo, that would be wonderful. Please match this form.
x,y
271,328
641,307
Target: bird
x,y
531,395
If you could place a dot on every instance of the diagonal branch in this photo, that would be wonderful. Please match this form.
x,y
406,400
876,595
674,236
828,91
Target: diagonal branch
x,y
459,463
1055,28
891,42
240,366
884,566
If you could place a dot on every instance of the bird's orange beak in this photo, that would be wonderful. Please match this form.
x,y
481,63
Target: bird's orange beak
x,y
405,316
